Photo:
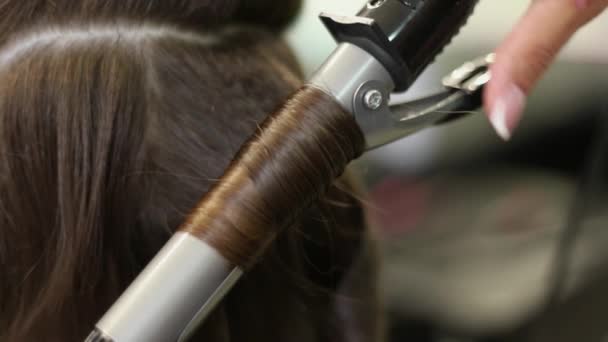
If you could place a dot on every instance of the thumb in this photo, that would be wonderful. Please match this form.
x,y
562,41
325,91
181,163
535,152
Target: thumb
x,y
527,52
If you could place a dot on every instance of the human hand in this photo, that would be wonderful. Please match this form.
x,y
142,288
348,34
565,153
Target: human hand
x,y
527,52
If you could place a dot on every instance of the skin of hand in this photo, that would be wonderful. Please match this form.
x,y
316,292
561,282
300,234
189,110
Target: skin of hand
x,y
527,53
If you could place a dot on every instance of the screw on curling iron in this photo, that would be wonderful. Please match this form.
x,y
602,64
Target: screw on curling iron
x,y
373,99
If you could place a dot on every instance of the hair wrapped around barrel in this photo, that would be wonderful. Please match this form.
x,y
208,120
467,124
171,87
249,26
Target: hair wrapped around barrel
x,y
292,160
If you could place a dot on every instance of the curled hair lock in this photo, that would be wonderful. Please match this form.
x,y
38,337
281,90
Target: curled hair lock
x,y
287,165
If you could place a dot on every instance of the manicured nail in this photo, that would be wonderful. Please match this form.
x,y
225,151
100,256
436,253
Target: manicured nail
x,y
507,111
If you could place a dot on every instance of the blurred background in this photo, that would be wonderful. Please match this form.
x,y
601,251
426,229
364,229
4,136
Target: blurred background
x,y
482,240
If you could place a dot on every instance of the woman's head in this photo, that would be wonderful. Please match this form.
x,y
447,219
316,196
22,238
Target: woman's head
x,y
18,15
115,118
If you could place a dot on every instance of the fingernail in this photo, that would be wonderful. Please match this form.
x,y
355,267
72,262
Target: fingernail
x,y
507,111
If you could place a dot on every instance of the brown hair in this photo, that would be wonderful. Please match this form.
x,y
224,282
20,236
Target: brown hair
x,y
115,117
18,15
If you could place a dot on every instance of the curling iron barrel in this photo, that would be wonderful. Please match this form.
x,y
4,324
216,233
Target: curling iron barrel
x,y
181,285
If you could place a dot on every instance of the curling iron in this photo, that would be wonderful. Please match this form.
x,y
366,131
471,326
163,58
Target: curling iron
x,y
383,49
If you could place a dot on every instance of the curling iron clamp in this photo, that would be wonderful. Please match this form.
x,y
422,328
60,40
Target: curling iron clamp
x,y
381,50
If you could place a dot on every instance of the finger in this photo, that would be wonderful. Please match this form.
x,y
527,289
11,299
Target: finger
x,y
527,52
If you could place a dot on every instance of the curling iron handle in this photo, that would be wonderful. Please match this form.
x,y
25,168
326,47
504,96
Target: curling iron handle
x,y
405,36
420,29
